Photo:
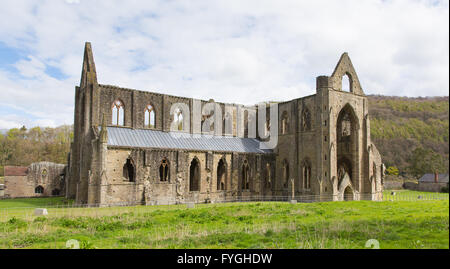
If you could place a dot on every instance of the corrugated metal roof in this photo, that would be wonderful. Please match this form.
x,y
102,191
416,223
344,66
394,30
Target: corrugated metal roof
x,y
443,178
145,138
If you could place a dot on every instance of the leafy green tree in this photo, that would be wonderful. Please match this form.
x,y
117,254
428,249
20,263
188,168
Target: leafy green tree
x,y
392,170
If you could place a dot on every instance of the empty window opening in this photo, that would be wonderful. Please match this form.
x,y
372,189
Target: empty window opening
x,y
194,175
221,175
164,170
39,190
306,174
346,83
286,173
128,171
118,113
306,120
149,117
178,119
284,123
245,176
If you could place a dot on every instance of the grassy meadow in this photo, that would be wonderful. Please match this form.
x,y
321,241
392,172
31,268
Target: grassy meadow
x,y
266,225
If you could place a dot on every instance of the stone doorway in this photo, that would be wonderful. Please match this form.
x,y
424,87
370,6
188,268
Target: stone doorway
x,y
348,194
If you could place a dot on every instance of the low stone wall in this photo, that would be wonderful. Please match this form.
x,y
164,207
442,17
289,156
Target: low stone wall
x,y
393,185
411,186
431,186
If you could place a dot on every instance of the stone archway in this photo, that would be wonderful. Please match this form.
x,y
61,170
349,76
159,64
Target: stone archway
x,y
348,194
221,175
347,126
194,175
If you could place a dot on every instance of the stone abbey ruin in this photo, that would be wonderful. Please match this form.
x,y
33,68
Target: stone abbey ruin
x,y
125,149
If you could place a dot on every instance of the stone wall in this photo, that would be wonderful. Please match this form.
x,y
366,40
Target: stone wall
x,y
24,181
431,186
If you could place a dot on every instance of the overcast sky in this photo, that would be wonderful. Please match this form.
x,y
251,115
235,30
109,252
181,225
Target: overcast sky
x,y
232,51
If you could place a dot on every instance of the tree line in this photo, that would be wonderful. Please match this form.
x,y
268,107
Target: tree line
x,y
22,146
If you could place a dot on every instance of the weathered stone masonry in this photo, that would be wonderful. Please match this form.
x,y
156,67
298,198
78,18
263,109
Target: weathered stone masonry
x,y
324,146
37,180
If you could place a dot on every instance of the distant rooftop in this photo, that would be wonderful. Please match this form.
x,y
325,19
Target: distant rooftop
x,y
16,171
442,178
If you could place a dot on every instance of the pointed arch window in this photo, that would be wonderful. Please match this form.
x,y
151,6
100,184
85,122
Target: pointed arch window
x,y
118,113
39,190
44,174
345,125
286,173
149,117
245,175
221,175
346,83
178,118
164,170
129,171
306,174
228,124
306,120
284,123
194,175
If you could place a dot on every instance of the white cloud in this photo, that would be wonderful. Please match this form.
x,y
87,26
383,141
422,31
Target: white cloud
x,y
7,124
231,51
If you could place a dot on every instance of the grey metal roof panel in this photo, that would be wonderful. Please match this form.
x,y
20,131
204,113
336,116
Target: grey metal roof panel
x,y
145,138
443,178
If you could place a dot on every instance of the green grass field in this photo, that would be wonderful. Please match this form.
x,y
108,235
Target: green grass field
x,y
398,224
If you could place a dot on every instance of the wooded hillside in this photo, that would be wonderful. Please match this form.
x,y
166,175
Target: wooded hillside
x,y
411,133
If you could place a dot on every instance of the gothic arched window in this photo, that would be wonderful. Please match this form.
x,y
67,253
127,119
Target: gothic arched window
x,y
164,170
245,175
345,126
221,175
128,171
118,113
306,120
149,117
284,123
194,175
178,118
346,83
285,173
39,190
44,174
306,174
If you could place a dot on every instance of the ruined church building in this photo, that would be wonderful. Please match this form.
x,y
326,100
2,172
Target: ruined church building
x,y
123,151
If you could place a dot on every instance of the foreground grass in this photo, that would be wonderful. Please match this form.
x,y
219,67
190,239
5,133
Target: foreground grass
x,y
423,224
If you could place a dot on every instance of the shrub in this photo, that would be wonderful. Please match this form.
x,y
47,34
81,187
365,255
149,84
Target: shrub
x,y
392,170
